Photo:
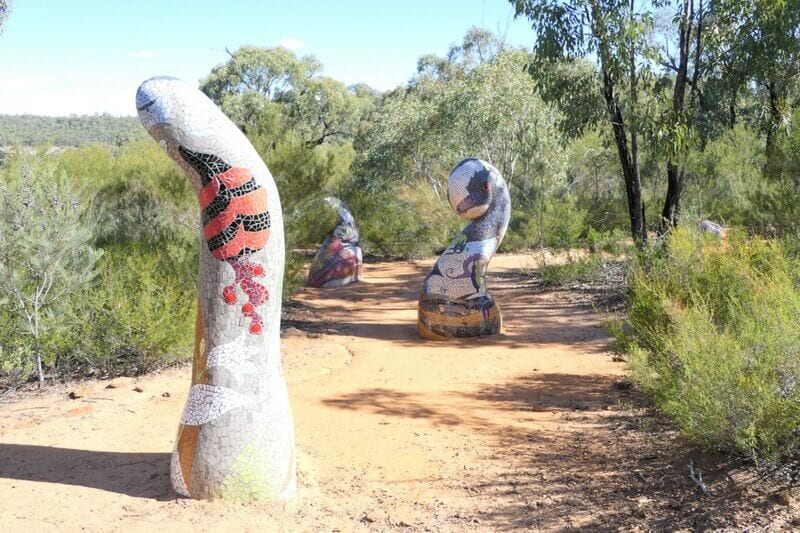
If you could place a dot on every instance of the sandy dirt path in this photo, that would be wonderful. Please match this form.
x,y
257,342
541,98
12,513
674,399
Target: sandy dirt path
x,y
534,429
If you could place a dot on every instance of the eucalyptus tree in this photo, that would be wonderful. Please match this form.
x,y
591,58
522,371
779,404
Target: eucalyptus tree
x,y
322,109
615,34
471,102
682,56
650,80
269,91
476,100
761,40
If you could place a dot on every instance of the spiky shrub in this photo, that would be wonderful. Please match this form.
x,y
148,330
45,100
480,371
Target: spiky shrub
x,y
715,341
138,316
46,256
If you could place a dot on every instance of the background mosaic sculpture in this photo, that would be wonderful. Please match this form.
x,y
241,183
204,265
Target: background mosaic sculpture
x,y
712,228
236,437
454,301
339,261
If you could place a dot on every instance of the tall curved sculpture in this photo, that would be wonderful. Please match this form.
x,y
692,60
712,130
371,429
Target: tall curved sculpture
x,y
236,437
454,301
339,261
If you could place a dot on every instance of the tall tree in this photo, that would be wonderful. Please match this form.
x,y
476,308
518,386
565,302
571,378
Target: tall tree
x,y
614,32
686,69
489,108
269,90
765,36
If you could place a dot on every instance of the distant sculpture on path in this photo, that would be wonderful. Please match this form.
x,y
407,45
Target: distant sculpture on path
x,y
454,301
236,437
712,228
339,261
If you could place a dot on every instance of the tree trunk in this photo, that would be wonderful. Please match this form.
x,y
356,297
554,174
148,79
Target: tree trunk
x,y
671,211
775,104
39,366
672,203
628,155
630,167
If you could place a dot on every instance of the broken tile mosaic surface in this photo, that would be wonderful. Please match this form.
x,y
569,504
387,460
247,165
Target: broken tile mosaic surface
x,y
455,301
339,261
236,435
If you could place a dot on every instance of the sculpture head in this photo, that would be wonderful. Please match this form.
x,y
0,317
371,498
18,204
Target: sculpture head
x,y
471,187
184,122
233,199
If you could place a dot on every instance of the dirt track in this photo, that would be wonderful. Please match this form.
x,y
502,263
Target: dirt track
x,y
534,429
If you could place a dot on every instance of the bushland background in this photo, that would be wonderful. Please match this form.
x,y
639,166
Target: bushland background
x,y
620,129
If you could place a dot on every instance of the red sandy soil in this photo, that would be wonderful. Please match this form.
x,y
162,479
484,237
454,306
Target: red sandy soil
x,y
535,429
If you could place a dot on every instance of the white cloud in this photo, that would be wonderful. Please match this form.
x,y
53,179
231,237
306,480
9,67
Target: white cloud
x,y
291,43
142,54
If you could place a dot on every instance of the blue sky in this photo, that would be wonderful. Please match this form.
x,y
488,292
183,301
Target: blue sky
x,y
61,57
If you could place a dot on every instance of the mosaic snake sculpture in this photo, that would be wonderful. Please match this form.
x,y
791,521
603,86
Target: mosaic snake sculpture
x,y
454,301
339,261
236,436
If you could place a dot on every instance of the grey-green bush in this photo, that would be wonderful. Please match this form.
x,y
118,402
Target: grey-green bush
x,y
715,341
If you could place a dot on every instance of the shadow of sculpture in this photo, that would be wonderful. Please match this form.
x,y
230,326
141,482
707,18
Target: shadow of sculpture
x,y
141,475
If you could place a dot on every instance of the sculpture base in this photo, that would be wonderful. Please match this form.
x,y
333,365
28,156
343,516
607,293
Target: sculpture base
x,y
440,318
336,270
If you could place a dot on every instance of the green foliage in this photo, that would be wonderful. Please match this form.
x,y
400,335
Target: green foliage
x,y
270,92
457,106
300,170
269,72
33,130
140,313
556,223
582,270
593,173
775,209
140,163
46,254
715,341
403,223
724,179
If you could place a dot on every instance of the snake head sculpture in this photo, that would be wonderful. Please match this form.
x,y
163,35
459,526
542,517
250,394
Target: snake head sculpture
x,y
454,300
339,261
236,437
469,189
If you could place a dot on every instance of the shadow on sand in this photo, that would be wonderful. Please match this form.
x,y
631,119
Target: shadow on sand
x,y
141,475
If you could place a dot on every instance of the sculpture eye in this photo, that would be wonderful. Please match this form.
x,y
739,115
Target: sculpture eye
x,y
486,186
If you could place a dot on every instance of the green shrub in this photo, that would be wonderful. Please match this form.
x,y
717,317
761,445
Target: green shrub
x,y
408,221
723,178
138,312
613,242
46,255
715,341
129,212
583,270
140,164
554,223
139,315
